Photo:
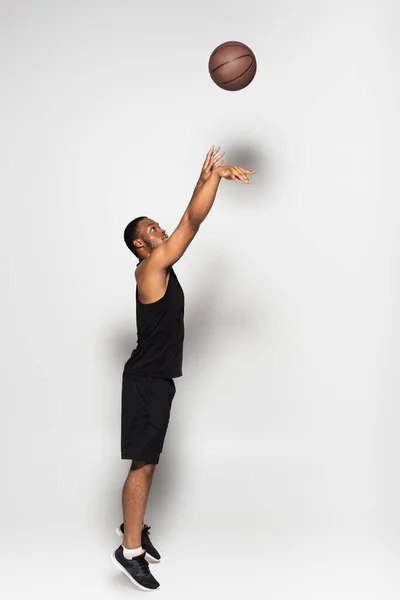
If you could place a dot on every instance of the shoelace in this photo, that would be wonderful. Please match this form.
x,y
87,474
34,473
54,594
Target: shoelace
x,y
143,564
145,531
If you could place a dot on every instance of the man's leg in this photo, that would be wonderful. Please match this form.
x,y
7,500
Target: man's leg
x,y
134,499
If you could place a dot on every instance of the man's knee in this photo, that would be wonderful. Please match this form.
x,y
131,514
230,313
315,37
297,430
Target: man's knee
x,y
145,467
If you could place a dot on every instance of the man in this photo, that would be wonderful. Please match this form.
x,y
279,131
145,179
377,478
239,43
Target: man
x,y
147,382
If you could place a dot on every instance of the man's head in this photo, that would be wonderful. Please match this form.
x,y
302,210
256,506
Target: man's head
x,y
142,235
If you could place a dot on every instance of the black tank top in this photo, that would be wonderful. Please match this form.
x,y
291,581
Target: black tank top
x,y
160,330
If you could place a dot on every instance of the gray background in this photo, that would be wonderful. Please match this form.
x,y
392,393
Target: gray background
x,y
278,476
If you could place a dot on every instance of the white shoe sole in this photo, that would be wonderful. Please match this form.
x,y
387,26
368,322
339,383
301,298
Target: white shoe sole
x,y
149,557
125,572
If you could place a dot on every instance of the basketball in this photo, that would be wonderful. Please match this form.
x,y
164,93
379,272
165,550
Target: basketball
x,y
232,66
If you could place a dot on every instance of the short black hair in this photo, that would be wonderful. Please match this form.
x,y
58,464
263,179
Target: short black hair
x,y
132,232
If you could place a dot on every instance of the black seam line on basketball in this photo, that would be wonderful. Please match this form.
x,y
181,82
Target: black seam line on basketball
x,y
228,46
231,60
236,78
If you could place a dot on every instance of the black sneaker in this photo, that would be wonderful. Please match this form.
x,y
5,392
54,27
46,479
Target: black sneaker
x,y
137,569
152,553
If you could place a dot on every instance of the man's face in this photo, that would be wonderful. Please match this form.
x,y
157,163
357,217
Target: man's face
x,y
151,233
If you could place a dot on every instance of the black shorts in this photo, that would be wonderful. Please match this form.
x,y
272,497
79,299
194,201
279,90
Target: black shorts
x,y
146,406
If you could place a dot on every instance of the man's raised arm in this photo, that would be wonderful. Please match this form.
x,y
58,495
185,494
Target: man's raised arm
x,y
198,208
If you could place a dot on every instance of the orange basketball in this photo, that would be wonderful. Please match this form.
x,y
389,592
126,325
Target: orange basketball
x,y
232,66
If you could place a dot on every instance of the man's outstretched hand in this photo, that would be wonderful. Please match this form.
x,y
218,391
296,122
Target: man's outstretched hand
x,y
234,173
213,159
214,164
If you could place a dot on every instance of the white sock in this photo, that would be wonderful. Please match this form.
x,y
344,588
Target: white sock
x,y
131,553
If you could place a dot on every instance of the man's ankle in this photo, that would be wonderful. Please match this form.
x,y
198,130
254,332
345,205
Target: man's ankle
x,y
131,543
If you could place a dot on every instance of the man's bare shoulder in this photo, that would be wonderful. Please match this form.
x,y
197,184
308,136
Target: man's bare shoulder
x,y
148,269
151,281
